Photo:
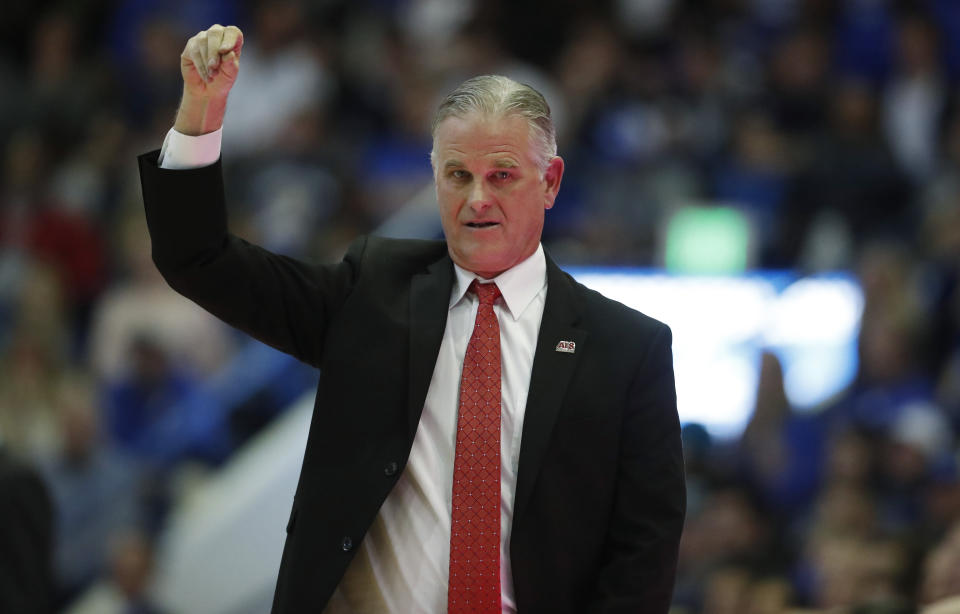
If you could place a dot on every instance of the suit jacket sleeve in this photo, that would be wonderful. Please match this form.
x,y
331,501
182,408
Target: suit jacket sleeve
x,y
281,301
643,537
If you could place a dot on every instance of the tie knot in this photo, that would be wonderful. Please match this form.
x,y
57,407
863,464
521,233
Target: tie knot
x,y
487,293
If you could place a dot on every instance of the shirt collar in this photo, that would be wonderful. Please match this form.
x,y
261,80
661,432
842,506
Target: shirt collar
x,y
518,285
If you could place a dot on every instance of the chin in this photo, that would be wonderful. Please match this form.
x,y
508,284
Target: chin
x,y
484,268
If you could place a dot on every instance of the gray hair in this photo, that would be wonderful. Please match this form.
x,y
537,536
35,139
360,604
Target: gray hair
x,y
497,96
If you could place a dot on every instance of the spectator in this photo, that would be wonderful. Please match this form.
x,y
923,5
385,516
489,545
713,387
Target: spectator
x,y
157,413
851,175
915,100
142,303
26,538
280,59
94,490
126,590
754,178
777,451
33,364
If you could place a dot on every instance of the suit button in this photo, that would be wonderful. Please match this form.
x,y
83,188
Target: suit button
x,y
391,469
347,544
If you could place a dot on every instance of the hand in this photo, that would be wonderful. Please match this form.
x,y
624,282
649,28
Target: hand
x,y
209,64
211,61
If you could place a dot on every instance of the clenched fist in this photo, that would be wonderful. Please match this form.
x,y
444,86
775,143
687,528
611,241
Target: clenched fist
x,y
210,61
209,64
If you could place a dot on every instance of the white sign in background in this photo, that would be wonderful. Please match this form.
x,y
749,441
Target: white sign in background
x,y
721,325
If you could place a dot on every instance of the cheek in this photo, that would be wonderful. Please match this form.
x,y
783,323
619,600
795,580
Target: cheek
x,y
529,214
447,204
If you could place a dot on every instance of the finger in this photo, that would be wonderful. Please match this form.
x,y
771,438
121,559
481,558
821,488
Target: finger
x,y
232,40
214,38
230,65
201,49
199,62
188,57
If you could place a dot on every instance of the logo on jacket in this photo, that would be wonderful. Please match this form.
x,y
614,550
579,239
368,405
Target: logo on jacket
x,y
566,346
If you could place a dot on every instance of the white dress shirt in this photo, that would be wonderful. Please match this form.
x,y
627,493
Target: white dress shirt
x,y
180,151
402,565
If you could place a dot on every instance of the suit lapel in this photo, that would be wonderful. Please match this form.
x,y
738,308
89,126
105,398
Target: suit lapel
x,y
549,378
429,305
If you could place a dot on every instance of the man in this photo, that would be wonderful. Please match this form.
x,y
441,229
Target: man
x,y
475,447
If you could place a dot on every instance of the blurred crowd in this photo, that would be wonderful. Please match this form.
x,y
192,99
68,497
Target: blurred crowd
x,y
832,126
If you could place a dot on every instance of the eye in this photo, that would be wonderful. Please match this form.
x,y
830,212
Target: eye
x,y
502,175
459,174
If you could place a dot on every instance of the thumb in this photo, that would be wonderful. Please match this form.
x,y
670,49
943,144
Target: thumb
x,y
230,65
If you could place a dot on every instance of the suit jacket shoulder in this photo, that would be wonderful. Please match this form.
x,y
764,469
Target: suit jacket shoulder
x,y
611,321
388,261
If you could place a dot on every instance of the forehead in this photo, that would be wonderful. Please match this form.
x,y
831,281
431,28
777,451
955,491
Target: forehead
x,y
477,135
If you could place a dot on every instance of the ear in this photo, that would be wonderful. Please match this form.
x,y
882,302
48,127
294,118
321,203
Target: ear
x,y
552,177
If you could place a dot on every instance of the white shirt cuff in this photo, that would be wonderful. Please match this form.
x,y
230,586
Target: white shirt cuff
x,y
180,151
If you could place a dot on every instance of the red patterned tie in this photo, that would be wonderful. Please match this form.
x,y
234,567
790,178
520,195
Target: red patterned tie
x,y
475,523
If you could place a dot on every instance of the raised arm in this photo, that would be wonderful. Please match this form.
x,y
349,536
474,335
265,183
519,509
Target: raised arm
x,y
278,300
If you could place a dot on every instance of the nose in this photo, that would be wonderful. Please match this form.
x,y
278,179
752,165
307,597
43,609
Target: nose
x,y
479,198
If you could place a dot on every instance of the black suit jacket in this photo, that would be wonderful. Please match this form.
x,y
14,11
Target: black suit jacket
x,y
600,495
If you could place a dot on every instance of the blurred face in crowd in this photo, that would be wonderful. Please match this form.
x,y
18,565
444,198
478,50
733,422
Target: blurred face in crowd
x,y
491,192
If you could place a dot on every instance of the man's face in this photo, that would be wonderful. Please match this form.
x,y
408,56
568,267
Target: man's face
x,y
492,196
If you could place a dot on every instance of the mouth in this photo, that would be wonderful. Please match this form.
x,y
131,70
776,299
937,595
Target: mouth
x,y
482,224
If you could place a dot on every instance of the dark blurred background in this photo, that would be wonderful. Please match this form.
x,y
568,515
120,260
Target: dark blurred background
x,y
832,126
